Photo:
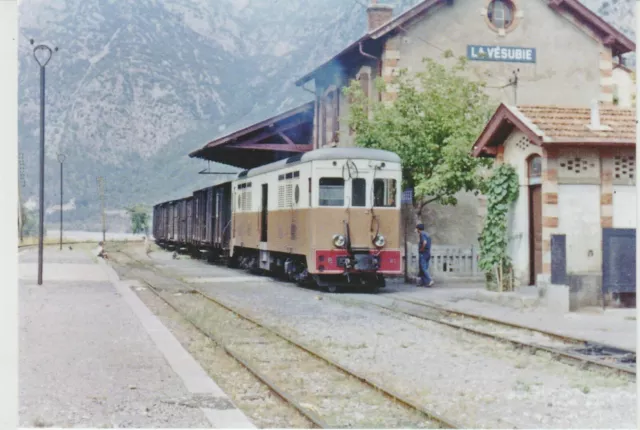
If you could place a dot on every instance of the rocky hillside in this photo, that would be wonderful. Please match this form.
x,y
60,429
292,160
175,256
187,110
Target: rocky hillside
x,y
136,85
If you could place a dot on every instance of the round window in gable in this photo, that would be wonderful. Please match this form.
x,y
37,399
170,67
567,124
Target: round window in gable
x,y
501,14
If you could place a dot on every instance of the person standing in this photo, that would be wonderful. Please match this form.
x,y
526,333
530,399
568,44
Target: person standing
x,y
424,252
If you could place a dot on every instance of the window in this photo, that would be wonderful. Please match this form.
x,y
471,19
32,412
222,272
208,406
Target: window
x,y
244,197
331,192
535,167
500,13
331,116
534,170
384,193
287,183
358,192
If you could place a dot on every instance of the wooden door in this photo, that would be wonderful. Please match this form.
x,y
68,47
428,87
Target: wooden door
x,y
535,232
264,214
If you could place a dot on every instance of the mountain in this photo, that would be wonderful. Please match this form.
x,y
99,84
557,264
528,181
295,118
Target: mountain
x,y
136,85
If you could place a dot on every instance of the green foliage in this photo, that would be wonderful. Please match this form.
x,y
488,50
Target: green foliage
x,y
436,117
139,219
501,190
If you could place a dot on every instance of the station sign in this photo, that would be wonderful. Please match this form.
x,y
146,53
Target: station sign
x,y
505,54
407,196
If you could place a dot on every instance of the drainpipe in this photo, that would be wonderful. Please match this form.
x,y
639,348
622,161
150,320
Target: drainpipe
x,y
316,113
365,54
378,62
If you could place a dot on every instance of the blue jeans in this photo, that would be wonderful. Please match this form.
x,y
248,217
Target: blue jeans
x,y
424,269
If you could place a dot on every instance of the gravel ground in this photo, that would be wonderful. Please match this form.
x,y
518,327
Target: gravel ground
x,y
507,332
85,361
475,381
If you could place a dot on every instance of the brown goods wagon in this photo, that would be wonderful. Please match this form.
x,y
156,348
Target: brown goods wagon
x,y
181,223
222,215
199,215
189,220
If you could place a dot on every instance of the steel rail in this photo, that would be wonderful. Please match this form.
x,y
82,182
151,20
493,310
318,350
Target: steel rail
x,y
518,343
446,423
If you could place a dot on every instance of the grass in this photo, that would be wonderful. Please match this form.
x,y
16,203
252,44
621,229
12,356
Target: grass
x,y
30,241
33,240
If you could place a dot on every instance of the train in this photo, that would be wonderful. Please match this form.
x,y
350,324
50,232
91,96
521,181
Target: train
x,y
328,217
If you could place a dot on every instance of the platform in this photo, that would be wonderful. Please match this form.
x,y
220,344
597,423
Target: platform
x,y
92,355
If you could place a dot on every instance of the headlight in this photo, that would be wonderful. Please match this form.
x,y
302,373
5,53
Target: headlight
x,y
339,241
379,241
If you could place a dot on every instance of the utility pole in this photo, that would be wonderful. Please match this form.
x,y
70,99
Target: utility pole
x,y
20,207
61,158
42,54
514,83
104,226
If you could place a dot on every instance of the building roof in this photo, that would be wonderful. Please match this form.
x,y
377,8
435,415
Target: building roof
x,y
619,43
287,133
556,125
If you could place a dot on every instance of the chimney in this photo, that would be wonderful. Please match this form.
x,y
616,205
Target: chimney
x,y
378,14
595,115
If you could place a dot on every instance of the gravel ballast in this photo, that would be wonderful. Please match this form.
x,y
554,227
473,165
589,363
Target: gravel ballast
x,y
475,381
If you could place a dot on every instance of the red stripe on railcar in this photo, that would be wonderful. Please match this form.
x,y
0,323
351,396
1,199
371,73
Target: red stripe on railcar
x,y
390,260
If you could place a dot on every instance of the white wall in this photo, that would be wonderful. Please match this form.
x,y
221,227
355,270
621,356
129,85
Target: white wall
x,y
624,87
579,220
624,206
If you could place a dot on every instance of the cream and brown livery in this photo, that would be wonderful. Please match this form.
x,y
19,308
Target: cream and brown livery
x,y
329,216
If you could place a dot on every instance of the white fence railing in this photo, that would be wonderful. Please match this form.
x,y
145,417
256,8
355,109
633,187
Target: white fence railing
x,y
449,261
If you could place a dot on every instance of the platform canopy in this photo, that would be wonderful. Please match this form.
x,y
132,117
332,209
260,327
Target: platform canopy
x,y
270,140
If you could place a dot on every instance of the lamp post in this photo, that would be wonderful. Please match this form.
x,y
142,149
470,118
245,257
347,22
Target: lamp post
x,y
42,54
61,158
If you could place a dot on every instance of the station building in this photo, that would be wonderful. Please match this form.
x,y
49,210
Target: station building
x,y
534,52
573,224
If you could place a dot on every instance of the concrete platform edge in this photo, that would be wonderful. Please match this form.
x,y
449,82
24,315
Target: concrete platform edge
x,y
194,378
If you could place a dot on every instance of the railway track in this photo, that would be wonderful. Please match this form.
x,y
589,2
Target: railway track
x,y
571,350
564,348
303,377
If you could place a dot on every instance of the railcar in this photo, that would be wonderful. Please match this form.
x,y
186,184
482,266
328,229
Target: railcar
x,y
329,217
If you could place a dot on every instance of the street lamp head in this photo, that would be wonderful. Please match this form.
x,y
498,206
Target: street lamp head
x,y
42,54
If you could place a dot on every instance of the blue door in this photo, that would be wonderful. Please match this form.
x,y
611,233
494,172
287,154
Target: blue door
x,y
619,260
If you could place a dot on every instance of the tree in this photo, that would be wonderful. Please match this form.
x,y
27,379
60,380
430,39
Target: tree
x,y
436,117
30,224
139,219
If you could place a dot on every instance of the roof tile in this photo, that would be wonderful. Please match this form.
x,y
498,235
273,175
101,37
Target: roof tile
x,y
571,123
